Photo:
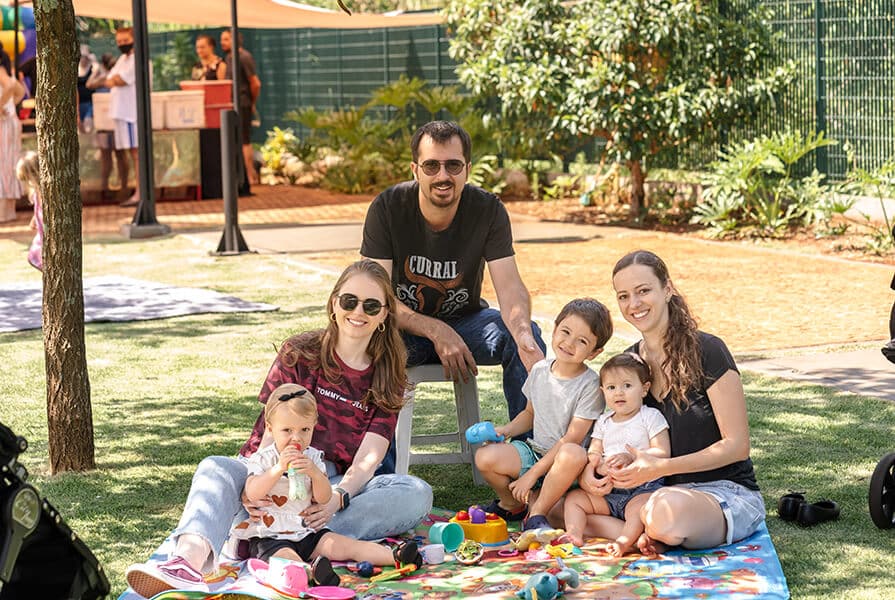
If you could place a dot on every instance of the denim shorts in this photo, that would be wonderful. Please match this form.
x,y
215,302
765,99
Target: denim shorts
x,y
743,508
618,498
529,456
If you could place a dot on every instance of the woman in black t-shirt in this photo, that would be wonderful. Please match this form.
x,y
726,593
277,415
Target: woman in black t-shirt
x,y
711,496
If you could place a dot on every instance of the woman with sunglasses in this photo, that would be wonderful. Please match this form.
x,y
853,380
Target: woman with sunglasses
x,y
355,368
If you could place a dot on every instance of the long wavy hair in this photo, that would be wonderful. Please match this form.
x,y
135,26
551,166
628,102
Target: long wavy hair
x,y
682,366
386,348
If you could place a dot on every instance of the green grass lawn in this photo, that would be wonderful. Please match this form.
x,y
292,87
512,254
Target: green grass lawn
x,y
167,393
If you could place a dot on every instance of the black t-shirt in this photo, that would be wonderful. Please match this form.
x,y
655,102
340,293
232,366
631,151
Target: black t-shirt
x,y
247,70
696,427
437,273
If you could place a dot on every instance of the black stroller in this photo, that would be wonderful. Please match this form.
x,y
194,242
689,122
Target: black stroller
x,y
881,499
882,493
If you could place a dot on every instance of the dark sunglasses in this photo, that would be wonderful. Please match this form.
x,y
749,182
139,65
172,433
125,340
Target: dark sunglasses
x,y
297,394
348,302
433,167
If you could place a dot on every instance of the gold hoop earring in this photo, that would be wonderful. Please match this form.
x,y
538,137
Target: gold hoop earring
x,y
332,316
381,327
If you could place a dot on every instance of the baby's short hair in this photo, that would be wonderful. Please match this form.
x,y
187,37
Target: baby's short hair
x,y
293,396
594,313
629,361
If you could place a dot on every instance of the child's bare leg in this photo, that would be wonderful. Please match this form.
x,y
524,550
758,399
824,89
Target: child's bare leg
x,y
288,554
499,465
603,526
632,528
578,505
335,546
570,459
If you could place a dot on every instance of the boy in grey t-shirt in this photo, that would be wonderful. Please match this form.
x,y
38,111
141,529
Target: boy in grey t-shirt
x,y
562,401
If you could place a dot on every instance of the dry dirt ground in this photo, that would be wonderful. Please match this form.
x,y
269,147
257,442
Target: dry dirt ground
x,y
768,296
758,297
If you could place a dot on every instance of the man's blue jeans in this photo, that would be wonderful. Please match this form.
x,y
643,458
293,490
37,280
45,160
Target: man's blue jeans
x,y
490,343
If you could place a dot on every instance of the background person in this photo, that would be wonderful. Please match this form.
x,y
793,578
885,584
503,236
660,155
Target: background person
x,y
28,172
11,93
123,107
105,139
210,66
434,236
249,90
355,368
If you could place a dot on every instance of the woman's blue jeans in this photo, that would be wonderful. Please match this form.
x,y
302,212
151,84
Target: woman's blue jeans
x,y
388,505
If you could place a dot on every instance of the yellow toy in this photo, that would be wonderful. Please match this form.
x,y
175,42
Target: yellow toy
x,y
541,536
485,528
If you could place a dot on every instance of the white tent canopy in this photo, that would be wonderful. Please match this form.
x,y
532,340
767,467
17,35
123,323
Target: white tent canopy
x,y
274,14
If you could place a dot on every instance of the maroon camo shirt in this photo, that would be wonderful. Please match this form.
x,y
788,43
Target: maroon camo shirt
x,y
343,419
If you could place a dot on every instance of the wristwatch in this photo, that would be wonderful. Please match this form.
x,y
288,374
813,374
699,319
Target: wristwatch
x,y
344,498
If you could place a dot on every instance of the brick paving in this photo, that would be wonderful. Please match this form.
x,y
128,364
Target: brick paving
x,y
281,205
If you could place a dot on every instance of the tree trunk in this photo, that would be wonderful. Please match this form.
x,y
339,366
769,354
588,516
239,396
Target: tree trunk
x,y
637,193
69,415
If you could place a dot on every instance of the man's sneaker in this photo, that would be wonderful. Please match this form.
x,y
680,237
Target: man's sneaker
x,y
149,579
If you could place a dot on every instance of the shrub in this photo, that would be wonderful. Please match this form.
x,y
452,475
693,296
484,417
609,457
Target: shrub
x,y
375,151
752,188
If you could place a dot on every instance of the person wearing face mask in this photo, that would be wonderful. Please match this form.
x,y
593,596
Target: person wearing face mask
x,y
123,104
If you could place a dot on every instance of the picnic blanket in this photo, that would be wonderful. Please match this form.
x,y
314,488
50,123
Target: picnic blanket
x,y
114,298
747,569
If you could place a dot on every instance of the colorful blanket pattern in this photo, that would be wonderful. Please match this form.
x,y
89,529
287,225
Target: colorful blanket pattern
x,y
748,569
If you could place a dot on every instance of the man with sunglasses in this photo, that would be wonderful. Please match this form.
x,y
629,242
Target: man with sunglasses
x,y
434,235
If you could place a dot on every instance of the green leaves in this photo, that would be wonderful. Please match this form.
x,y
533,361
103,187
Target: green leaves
x,y
644,74
751,189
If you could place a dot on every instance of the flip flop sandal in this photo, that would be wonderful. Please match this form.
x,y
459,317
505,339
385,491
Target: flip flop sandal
x,y
789,504
812,514
407,553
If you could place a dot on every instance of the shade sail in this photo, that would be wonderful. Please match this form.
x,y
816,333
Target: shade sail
x,y
260,14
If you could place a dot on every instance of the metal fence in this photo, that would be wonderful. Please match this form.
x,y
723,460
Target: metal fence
x,y
328,69
844,49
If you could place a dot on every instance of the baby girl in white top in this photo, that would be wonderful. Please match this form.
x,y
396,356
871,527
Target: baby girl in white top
x,y
291,415
595,508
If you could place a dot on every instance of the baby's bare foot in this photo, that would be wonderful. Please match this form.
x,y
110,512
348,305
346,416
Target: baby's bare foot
x,y
571,538
650,547
619,547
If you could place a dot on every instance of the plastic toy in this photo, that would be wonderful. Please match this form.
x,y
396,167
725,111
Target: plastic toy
x,y
550,584
393,574
469,552
482,432
365,569
290,579
485,528
539,536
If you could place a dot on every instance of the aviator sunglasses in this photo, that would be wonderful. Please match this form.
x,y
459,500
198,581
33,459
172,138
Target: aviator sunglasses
x,y
371,306
432,167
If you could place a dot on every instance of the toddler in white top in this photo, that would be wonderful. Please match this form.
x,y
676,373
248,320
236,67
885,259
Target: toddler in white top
x,y
291,416
595,508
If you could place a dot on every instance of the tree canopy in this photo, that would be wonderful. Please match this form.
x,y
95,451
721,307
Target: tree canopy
x,y
643,74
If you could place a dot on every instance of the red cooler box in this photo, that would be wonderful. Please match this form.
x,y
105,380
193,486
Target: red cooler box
x,y
218,97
